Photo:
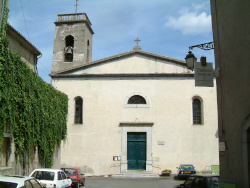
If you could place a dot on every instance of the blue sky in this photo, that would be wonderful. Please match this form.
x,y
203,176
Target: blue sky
x,y
165,27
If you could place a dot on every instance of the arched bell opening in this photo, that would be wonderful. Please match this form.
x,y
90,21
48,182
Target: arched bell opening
x,y
69,48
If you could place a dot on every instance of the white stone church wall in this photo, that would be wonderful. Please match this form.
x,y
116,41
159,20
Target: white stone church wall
x,y
135,64
174,140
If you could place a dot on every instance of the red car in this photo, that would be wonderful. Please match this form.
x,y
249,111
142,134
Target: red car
x,y
76,175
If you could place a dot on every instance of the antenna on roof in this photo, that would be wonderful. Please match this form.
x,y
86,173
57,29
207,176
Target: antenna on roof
x,y
76,5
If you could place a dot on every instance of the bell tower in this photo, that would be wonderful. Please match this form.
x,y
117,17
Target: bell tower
x,y
72,41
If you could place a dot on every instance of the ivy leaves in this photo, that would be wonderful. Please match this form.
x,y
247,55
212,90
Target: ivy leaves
x,y
34,110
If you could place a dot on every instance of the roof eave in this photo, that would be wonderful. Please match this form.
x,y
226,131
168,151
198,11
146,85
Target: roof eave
x,y
142,75
122,55
14,33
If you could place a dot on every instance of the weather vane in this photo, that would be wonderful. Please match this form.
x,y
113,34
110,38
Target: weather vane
x,y
76,5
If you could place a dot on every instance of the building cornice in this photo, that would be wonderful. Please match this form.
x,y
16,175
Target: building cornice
x,y
134,124
74,18
147,75
123,55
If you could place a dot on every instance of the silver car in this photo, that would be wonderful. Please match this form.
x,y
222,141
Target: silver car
x,y
18,182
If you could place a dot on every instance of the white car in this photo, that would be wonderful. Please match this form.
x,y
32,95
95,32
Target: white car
x,y
18,182
51,178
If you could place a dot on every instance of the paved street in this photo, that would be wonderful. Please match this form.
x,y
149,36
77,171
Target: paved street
x,y
107,182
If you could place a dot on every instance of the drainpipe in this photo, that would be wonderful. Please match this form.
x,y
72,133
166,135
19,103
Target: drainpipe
x,y
37,57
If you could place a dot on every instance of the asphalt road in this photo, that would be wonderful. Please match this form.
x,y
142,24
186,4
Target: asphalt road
x,y
109,182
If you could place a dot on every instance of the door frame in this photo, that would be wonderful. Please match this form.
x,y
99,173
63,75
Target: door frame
x,y
136,127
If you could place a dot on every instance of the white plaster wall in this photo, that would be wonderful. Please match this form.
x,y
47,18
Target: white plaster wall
x,y
92,145
26,55
135,64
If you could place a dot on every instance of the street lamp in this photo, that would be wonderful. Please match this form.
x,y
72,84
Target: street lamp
x,y
190,60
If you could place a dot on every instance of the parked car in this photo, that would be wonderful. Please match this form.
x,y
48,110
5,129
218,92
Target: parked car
x,y
201,181
185,170
51,178
76,175
18,182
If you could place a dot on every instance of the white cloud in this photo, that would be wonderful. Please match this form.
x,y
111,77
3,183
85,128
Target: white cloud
x,y
191,23
200,7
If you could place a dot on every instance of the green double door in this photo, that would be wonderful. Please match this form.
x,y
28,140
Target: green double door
x,y
136,150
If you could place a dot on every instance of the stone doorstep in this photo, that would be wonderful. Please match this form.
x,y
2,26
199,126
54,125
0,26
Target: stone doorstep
x,y
128,174
136,174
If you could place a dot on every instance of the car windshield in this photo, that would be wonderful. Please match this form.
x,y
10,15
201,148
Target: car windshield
x,y
69,171
189,182
7,185
212,181
187,167
44,175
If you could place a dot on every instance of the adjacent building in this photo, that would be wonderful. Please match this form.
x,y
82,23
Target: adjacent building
x,y
231,31
20,45
28,54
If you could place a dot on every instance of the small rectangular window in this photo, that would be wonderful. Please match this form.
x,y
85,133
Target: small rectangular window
x,y
35,183
63,175
59,176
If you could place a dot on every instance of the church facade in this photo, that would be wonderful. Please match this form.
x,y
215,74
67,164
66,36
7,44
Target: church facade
x,y
132,111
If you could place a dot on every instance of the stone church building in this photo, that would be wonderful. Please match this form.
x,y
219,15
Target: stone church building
x,y
131,111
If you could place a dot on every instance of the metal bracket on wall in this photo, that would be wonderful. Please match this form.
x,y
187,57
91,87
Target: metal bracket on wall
x,y
216,73
204,46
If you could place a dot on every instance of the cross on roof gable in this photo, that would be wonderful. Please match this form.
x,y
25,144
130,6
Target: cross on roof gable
x,y
137,40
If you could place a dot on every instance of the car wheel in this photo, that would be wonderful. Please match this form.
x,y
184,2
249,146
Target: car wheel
x,y
77,185
83,182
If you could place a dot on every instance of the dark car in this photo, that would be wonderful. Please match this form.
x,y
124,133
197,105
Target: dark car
x,y
185,170
76,175
201,181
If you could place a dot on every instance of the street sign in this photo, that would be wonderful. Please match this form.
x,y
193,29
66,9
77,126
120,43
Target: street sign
x,y
203,74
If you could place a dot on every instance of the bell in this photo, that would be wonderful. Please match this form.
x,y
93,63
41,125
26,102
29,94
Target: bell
x,y
69,50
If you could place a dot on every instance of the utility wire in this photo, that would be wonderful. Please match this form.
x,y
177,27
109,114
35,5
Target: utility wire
x,y
29,36
44,66
25,20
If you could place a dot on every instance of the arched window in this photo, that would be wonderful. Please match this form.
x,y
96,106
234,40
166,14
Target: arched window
x,y
69,48
136,99
78,110
196,111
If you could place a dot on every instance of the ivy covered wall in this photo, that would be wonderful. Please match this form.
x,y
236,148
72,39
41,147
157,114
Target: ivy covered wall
x,y
35,112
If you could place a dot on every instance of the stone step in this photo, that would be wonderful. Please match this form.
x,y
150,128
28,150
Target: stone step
x,y
136,174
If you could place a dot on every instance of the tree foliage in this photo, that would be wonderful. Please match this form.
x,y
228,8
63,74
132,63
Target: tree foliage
x,y
35,112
